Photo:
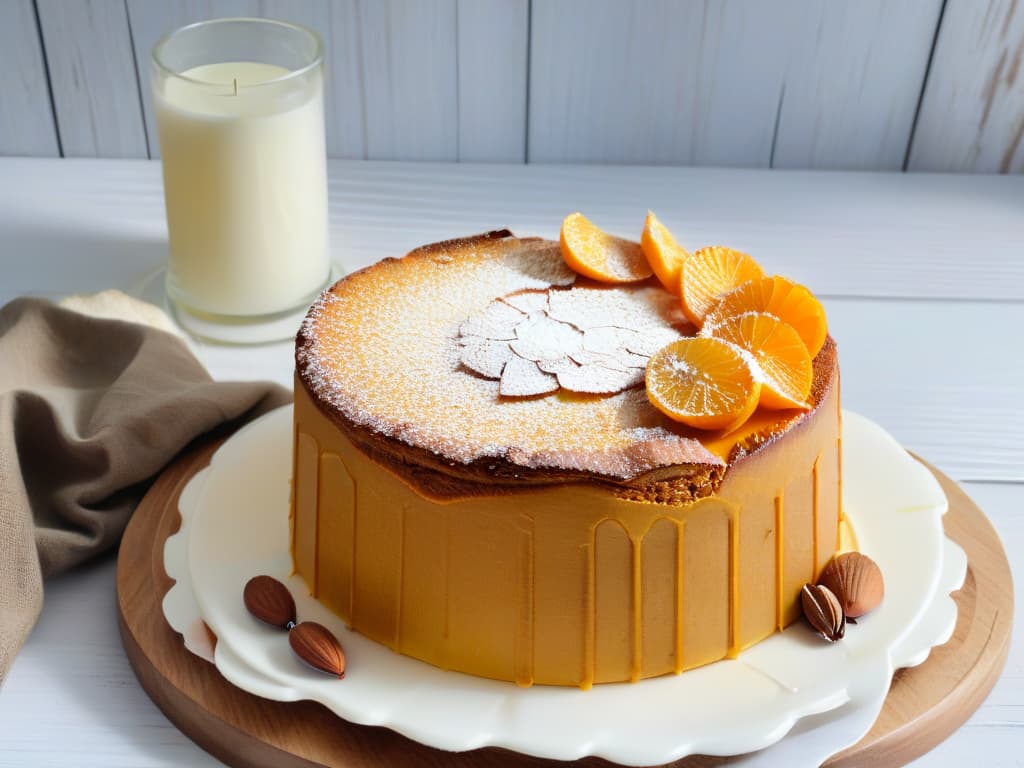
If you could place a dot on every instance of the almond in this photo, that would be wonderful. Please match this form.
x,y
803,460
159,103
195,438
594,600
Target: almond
x,y
823,612
856,580
269,600
315,645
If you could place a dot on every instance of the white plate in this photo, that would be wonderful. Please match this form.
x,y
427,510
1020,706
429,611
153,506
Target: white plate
x,y
235,526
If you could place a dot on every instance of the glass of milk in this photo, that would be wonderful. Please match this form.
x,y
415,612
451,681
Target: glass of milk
x,y
240,113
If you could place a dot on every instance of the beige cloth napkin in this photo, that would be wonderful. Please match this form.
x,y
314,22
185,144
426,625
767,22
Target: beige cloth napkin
x,y
91,408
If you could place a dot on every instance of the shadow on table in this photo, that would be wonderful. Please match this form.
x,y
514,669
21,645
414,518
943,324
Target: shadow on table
x,y
84,258
76,657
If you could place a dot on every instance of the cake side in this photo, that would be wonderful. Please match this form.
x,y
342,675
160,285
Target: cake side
x,y
564,583
560,538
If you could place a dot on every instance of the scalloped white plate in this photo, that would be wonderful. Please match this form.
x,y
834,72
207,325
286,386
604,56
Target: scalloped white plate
x,y
234,526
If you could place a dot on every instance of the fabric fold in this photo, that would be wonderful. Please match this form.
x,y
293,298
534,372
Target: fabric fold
x,y
91,409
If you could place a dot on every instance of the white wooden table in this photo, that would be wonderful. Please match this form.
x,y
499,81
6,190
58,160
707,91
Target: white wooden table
x,y
922,277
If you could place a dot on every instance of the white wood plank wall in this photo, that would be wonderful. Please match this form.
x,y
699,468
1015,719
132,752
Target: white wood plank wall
x,y
93,78
930,85
796,84
26,117
972,114
398,88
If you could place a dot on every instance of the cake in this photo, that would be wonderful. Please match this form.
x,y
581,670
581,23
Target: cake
x,y
481,482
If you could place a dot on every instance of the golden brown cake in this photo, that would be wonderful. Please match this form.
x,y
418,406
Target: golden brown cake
x,y
480,481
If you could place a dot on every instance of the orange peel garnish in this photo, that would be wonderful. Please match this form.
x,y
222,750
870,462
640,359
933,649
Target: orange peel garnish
x,y
782,298
779,355
663,253
710,273
702,382
594,253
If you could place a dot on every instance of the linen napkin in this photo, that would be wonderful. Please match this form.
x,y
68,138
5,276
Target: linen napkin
x,y
91,408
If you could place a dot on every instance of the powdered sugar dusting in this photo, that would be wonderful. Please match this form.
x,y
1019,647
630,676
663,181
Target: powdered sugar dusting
x,y
528,302
485,356
587,336
498,322
398,348
599,379
523,379
540,337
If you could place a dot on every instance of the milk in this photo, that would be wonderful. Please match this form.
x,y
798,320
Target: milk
x,y
244,164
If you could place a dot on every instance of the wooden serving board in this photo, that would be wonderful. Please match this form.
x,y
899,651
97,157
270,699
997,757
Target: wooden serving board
x,y
925,703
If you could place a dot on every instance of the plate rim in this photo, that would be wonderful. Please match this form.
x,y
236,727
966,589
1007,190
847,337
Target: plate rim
x,y
614,755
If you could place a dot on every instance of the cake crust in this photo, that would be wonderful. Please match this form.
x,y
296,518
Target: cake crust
x,y
630,449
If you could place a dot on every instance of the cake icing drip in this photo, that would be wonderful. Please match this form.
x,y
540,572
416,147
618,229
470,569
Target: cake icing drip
x,y
568,584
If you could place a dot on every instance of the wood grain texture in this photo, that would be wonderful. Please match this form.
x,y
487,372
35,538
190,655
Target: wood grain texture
x,y
336,21
26,117
972,111
410,69
405,79
852,235
852,83
92,75
443,80
794,84
492,62
925,703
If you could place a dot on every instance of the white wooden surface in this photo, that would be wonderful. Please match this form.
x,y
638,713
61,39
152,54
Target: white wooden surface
x,y
92,75
796,84
929,349
972,113
26,119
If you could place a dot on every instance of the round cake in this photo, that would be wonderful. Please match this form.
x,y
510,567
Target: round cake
x,y
481,482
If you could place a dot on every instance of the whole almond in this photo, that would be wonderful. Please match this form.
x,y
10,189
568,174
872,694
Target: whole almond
x,y
856,580
823,612
269,600
315,645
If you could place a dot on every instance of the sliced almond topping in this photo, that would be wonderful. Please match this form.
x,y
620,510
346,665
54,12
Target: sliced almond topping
x,y
599,380
584,339
528,302
522,378
497,322
485,356
541,338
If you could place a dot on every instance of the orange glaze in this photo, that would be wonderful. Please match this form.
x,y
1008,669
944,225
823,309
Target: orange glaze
x,y
564,584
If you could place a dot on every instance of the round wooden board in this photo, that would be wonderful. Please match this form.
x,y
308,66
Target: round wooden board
x,y
925,703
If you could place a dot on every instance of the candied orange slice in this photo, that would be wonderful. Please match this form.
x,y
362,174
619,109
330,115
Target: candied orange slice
x,y
662,252
791,303
782,362
594,253
703,382
711,272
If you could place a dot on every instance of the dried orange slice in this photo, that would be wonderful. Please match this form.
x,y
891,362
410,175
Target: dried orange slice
x,y
711,272
662,252
594,253
791,303
703,382
782,363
